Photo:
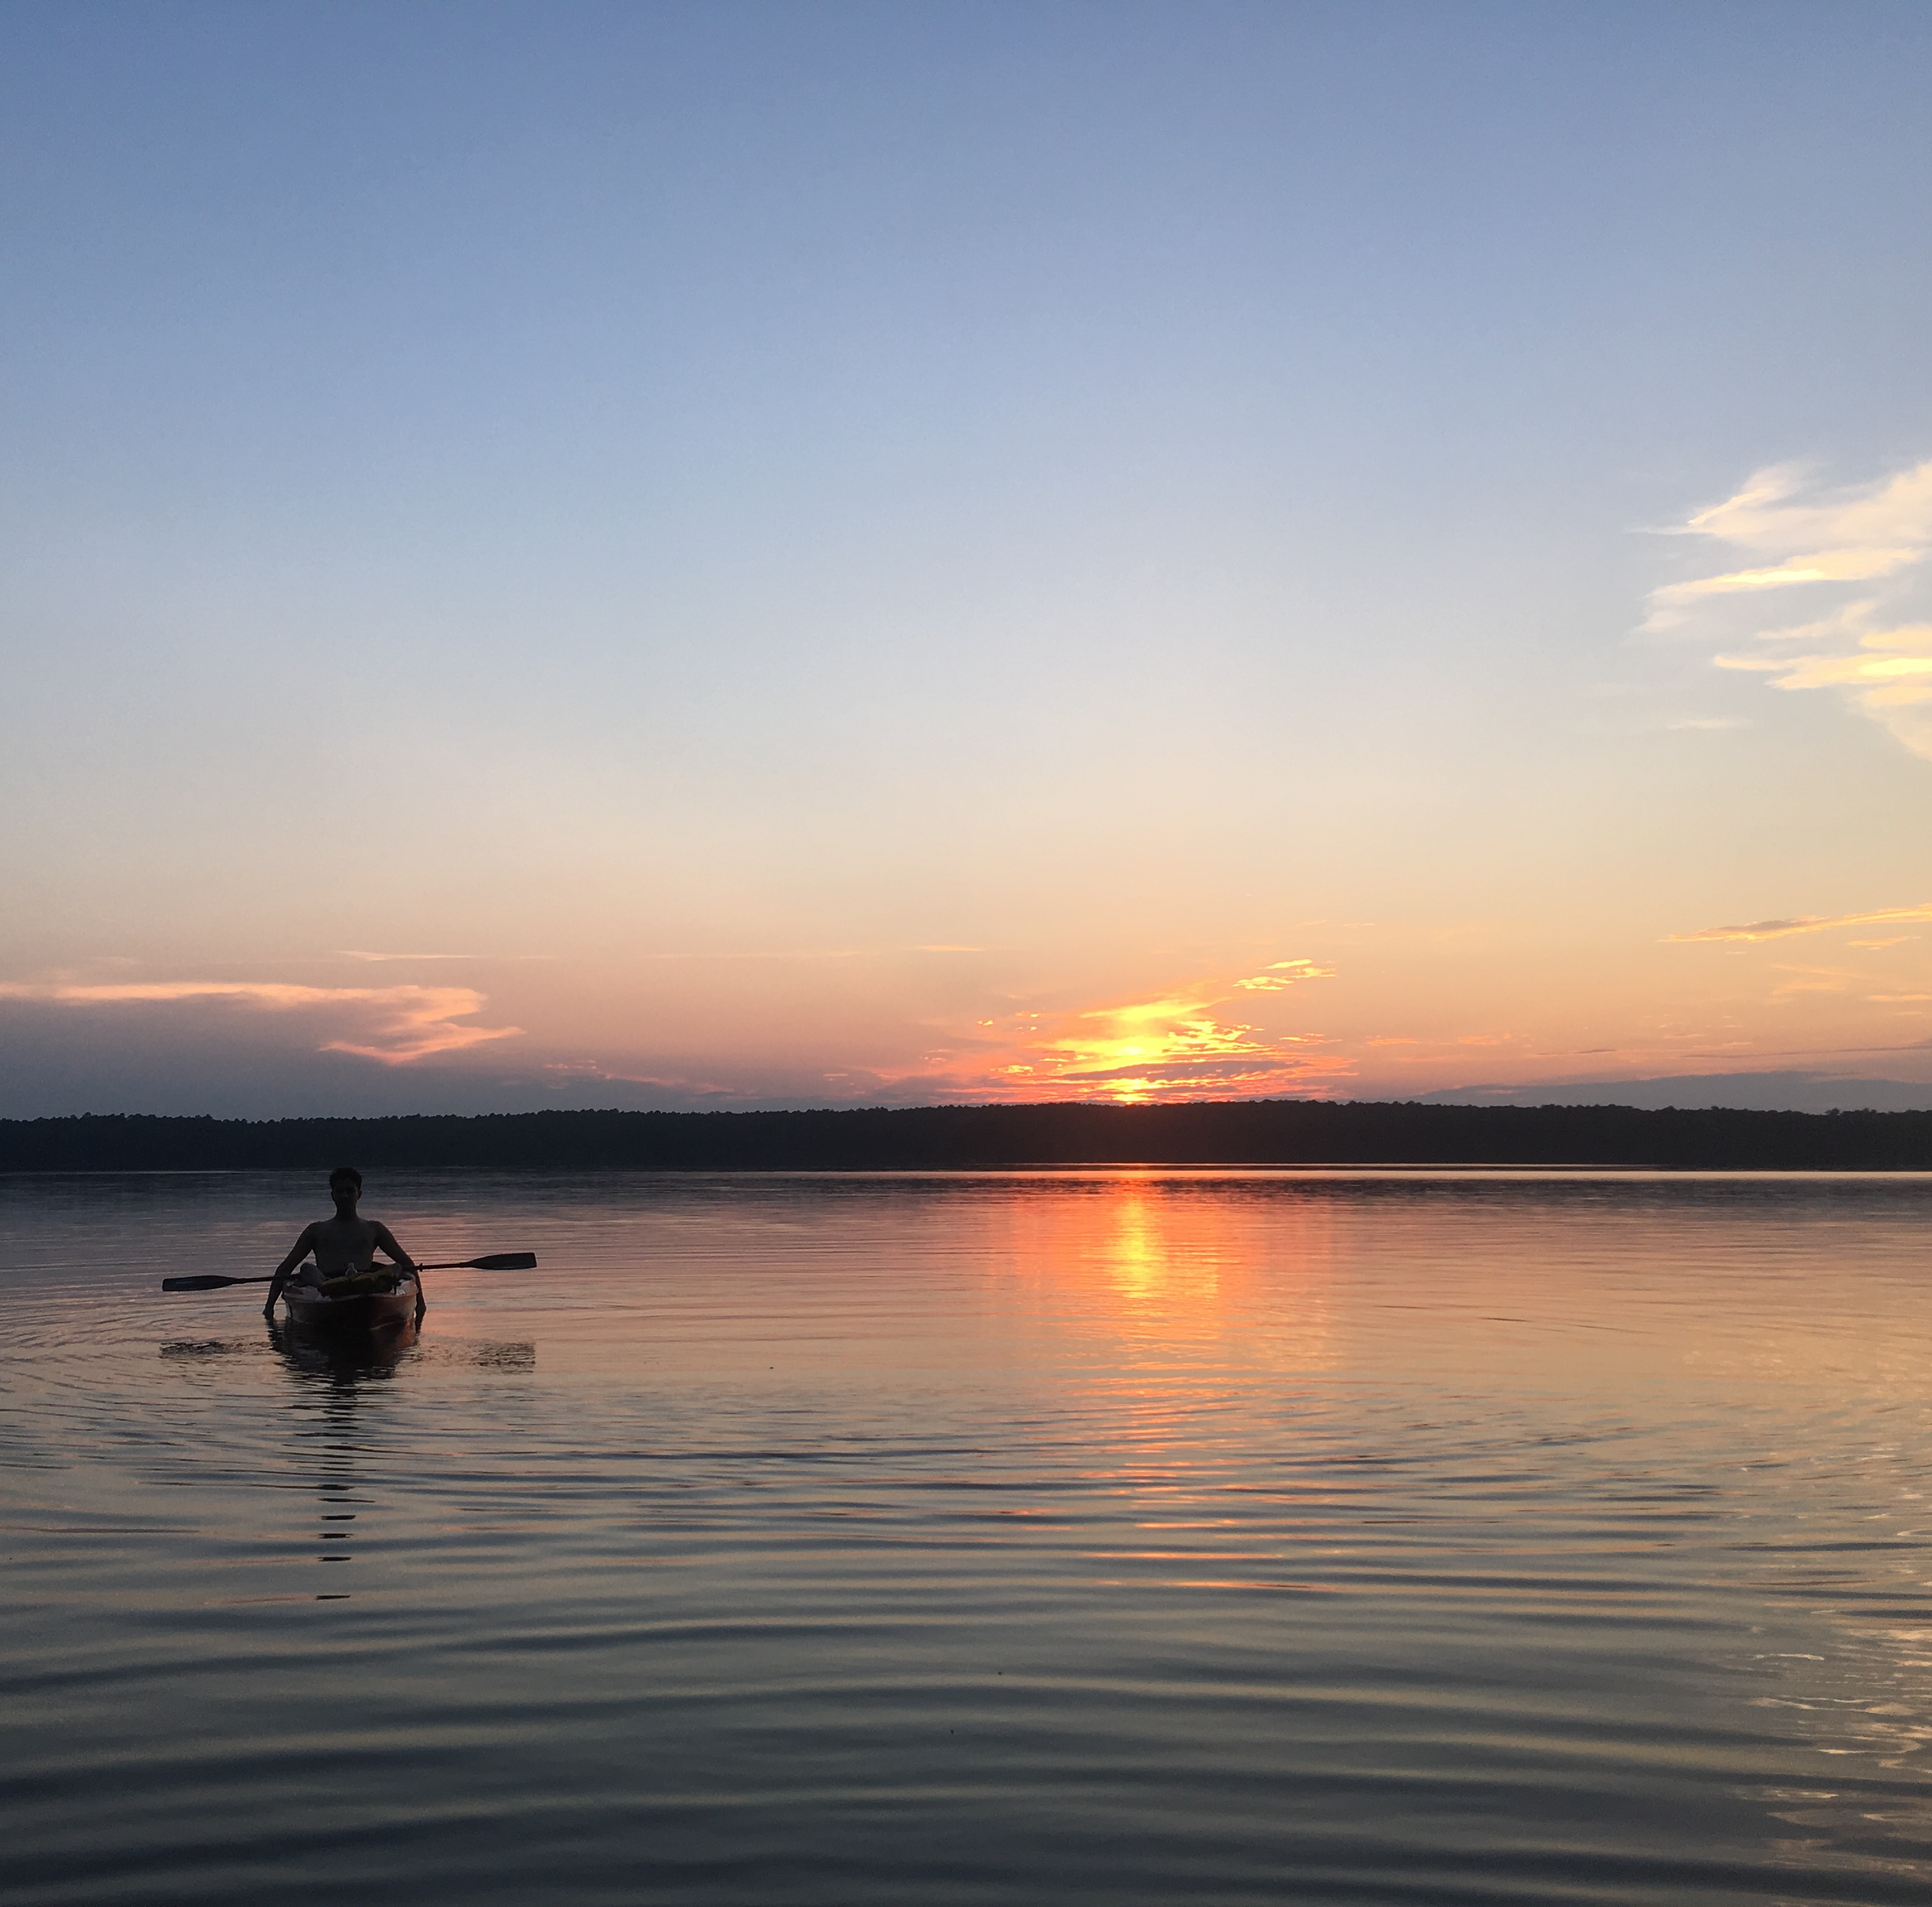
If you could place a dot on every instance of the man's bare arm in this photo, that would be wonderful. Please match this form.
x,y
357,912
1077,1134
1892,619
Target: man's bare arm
x,y
297,1254
303,1246
386,1240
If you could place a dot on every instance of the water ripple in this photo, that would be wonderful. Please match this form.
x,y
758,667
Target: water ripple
x,y
1123,1537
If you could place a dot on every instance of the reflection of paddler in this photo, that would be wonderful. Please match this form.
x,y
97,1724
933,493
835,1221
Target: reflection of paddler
x,y
345,1248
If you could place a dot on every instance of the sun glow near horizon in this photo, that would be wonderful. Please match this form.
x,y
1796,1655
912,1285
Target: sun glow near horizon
x,y
1139,1052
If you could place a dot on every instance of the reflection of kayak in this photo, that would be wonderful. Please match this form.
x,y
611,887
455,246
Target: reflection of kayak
x,y
353,1310
343,1353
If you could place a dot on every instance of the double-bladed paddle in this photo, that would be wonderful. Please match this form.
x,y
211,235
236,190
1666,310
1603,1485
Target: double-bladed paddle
x,y
504,1261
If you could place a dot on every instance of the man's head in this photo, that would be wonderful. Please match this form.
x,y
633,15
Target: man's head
x,y
345,1186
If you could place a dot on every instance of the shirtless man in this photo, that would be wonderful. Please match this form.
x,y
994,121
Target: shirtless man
x,y
343,1244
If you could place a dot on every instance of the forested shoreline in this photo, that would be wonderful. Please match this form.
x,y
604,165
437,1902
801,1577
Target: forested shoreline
x,y
1246,1132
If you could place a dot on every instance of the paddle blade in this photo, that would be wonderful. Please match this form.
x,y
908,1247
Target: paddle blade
x,y
504,1261
208,1282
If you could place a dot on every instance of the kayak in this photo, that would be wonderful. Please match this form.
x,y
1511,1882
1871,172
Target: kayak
x,y
351,1311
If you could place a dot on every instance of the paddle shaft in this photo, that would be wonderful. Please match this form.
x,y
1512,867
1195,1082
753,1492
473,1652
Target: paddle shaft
x,y
503,1261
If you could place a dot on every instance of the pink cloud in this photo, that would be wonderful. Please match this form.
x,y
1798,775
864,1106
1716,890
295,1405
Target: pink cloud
x,y
394,1025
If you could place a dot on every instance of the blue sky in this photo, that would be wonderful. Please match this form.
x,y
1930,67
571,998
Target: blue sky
x,y
813,554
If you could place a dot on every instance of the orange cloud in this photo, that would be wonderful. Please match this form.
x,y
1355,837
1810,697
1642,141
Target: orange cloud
x,y
1284,973
400,1023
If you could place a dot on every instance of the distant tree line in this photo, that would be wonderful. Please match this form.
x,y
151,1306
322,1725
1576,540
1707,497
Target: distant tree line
x,y
1245,1132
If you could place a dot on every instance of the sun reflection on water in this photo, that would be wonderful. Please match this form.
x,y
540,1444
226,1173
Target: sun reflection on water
x,y
1171,1269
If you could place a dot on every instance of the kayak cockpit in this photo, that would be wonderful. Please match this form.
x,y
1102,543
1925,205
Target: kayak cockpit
x,y
360,1301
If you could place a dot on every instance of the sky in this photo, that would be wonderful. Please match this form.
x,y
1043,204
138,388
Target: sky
x,y
731,555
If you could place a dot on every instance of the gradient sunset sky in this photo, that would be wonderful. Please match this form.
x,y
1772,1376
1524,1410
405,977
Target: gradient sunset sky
x,y
719,555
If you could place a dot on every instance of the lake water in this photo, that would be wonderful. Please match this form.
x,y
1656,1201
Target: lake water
x,y
1130,1537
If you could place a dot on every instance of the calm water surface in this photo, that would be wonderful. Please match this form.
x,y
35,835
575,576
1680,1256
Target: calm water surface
x,y
1132,1537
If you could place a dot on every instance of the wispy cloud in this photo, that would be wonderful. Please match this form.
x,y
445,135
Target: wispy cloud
x,y
1812,979
1809,923
365,953
1284,974
362,953
1860,554
804,955
393,1024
